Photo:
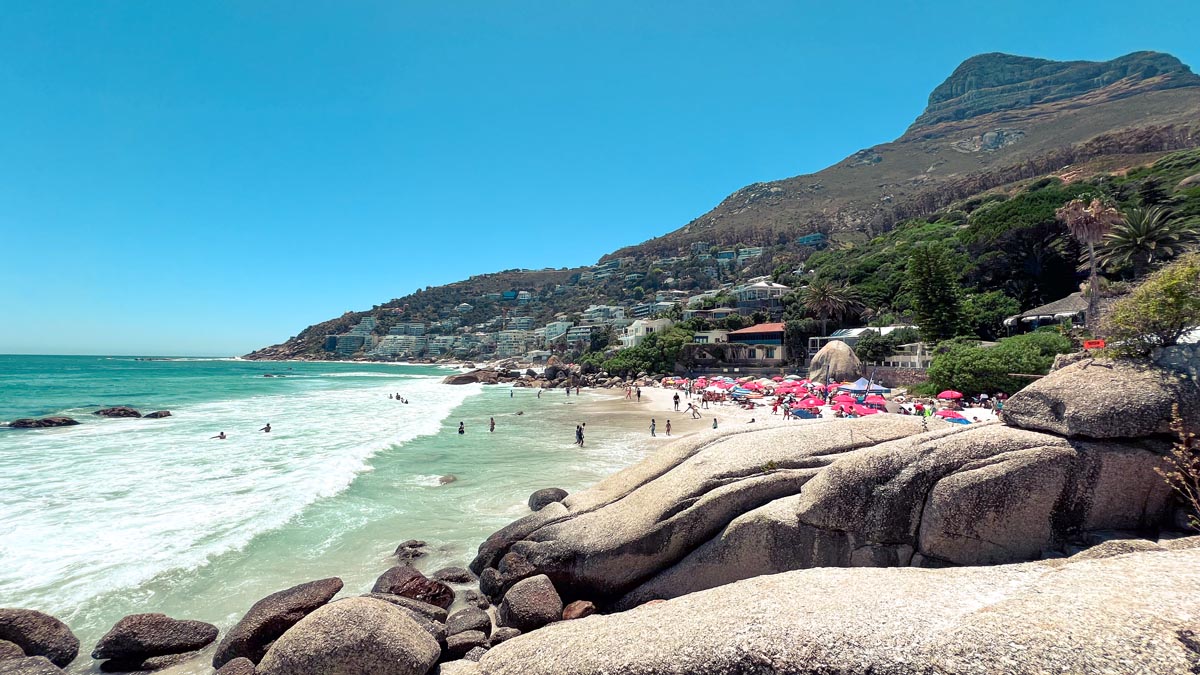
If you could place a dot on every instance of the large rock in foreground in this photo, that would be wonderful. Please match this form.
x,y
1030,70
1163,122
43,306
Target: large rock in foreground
x,y
355,636
33,665
1133,613
1101,398
271,617
39,634
141,636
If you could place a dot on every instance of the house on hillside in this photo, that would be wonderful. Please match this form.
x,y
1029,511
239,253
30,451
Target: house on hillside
x,y
761,296
763,343
850,336
1072,308
636,332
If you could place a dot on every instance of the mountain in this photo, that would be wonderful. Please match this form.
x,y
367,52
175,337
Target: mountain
x,y
998,118
997,121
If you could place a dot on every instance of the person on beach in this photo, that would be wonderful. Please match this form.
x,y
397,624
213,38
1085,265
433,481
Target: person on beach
x,y
510,393
676,399
219,437
639,394
266,429
629,393
491,424
714,423
651,427
695,411
751,421
462,429
576,390
539,392
668,427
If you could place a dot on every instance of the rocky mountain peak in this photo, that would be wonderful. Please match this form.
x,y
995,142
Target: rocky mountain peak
x,y
993,82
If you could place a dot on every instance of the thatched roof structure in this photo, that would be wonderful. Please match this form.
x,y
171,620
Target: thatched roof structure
x,y
836,361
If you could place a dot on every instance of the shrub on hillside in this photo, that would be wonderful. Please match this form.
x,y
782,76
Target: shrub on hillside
x,y
972,369
1158,312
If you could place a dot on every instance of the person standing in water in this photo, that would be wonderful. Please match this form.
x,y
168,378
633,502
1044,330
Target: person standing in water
x,y
539,392
266,429
510,393
219,437
652,427
491,424
462,429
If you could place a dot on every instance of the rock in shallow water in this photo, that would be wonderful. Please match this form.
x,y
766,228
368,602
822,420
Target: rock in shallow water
x,y
238,666
270,617
469,619
355,636
118,411
45,422
39,634
140,636
540,499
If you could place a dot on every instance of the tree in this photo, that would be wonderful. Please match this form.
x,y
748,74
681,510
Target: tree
x,y
986,313
873,347
1151,192
932,282
1088,223
1159,311
824,299
758,317
735,322
1144,237
965,366
795,338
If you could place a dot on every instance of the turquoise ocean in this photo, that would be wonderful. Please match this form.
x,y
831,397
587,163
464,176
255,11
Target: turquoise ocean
x,y
118,516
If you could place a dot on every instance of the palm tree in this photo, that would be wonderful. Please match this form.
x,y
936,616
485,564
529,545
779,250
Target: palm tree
x,y
1144,237
1088,223
825,300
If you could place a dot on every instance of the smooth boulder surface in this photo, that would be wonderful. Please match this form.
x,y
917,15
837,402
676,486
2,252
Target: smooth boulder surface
x,y
11,650
355,636
835,361
118,411
32,665
646,518
578,610
482,376
157,414
43,423
538,500
453,575
424,609
467,619
458,644
1102,398
270,617
972,495
238,666
530,603
1134,613
39,634
140,636
147,664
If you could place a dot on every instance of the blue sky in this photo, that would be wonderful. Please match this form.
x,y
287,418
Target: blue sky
x,y
209,178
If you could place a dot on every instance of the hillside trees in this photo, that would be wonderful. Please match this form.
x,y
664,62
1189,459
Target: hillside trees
x,y
967,367
937,297
1159,311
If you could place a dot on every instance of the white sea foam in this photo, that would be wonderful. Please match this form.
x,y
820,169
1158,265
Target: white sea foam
x,y
110,504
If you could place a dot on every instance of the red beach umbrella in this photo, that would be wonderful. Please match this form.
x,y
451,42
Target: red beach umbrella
x,y
864,410
844,398
948,414
950,394
875,398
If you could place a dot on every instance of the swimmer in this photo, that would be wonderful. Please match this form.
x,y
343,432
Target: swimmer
x,y
219,437
266,429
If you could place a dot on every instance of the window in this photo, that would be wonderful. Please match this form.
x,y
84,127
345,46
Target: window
x,y
770,352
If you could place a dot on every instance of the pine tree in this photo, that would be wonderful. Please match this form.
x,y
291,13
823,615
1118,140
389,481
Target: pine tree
x,y
937,294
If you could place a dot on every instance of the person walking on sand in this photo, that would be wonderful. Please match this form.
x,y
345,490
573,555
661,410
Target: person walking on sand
x,y
219,437
639,394
462,429
491,424
652,427
668,427
266,429
676,399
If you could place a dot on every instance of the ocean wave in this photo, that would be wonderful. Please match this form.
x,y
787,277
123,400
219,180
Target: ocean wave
x,y
109,506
